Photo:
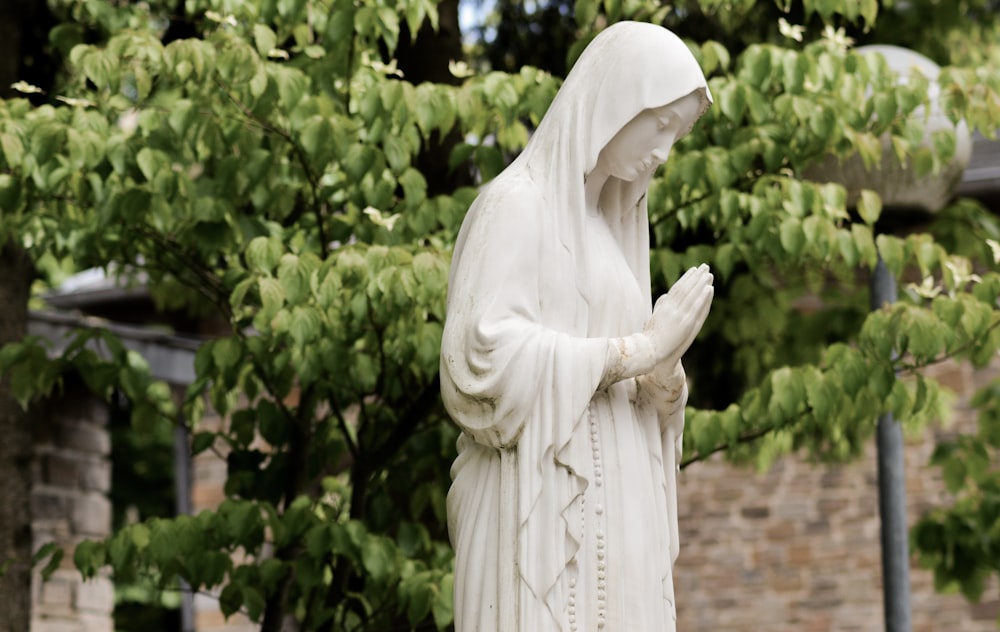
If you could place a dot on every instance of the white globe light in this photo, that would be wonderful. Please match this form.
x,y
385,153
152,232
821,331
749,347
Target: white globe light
x,y
897,183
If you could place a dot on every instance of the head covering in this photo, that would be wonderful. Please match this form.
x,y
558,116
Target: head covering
x,y
629,67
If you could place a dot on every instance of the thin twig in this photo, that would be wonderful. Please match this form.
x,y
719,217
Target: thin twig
x,y
742,439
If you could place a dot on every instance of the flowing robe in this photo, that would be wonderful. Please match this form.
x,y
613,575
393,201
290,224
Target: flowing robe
x,y
593,506
563,506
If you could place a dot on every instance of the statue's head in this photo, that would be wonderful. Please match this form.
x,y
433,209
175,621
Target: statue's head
x,y
645,141
634,81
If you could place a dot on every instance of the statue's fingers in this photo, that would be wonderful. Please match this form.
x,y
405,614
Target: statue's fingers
x,y
697,316
700,305
685,285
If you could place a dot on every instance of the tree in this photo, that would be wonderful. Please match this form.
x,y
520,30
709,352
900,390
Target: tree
x,y
21,55
257,160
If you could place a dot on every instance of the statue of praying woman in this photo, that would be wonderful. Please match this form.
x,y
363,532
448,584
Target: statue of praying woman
x,y
565,381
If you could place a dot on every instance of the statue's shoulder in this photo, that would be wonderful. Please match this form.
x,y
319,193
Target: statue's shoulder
x,y
513,194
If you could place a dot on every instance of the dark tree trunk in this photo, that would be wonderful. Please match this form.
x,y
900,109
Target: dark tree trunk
x,y
15,453
425,58
24,55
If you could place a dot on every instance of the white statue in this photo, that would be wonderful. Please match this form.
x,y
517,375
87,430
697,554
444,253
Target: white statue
x,y
567,386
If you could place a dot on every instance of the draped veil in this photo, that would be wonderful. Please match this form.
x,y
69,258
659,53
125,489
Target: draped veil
x,y
518,365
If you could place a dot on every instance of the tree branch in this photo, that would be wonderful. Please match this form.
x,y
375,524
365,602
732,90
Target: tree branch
x,y
742,439
300,155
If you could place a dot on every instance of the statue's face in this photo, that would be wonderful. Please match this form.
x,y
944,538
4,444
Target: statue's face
x,y
644,143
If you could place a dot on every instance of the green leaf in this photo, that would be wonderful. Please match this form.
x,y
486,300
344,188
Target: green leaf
x,y
272,295
263,254
870,206
443,606
51,550
264,39
848,248
732,100
258,83
890,248
13,149
585,12
924,161
294,278
714,56
791,235
954,475
725,259
358,161
378,557
226,353
414,186
490,161
10,193
202,441
140,536
89,557
865,243
397,153
944,144
148,163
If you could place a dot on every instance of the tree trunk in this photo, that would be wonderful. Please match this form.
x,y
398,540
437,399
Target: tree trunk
x,y
24,55
425,58
15,453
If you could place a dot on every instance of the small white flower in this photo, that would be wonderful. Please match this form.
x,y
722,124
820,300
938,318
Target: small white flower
x,y
129,121
215,16
26,88
791,31
389,69
961,272
460,69
927,289
277,53
837,37
85,103
378,219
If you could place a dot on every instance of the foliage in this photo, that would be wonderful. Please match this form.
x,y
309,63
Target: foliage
x,y
261,157
959,543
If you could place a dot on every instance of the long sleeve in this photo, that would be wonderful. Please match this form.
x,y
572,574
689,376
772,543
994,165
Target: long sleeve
x,y
501,358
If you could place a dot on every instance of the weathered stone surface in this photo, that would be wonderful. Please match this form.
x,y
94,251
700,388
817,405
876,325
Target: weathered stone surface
x,y
62,470
85,436
58,591
96,476
91,514
96,623
56,625
48,503
95,595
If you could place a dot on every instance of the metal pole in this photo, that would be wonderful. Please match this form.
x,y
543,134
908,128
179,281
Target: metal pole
x,y
182,489
892,492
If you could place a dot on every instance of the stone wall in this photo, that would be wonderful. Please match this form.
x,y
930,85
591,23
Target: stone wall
x,y
71,476
796,549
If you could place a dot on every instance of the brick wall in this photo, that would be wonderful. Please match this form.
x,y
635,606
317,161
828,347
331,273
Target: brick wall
x,y
208,479
796,549
71,477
